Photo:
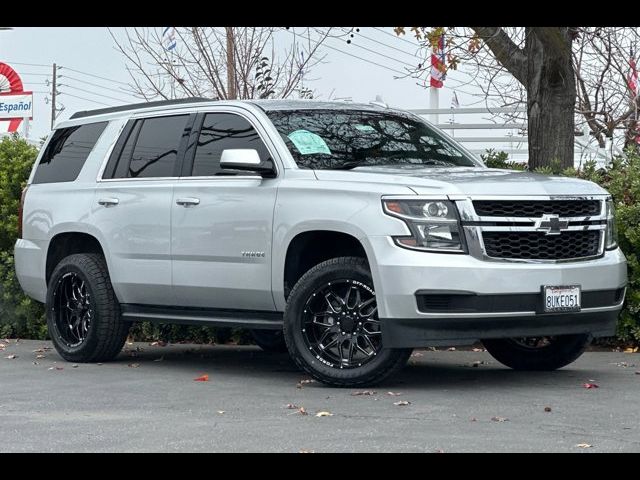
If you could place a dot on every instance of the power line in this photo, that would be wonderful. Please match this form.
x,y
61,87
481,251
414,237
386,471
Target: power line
x,y
96,85
369,50
87,99
394,36
325,45
95,76
35,74
360,34
28,64
94,93
365,60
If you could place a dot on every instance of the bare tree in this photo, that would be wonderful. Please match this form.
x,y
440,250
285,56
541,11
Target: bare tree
x,y
566,76
201,63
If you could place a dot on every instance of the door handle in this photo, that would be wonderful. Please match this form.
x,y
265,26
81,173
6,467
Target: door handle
x,y
186,202
108,202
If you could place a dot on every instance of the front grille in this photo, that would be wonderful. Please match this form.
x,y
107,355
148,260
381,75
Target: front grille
x,y
538,246
536,208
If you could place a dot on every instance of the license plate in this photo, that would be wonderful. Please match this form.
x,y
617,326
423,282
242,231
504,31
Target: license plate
x,y
561,298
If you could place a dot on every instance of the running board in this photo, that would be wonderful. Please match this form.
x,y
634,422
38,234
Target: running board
x,y
203,316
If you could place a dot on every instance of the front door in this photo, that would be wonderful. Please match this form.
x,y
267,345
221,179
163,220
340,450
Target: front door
x,y
222,221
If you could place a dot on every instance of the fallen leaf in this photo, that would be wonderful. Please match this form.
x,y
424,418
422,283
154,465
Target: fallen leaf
x,y
590,385
301,383
451,349
324,414
302,411
402,403
129,343
417,354
499,419
477,363
221,412
477,350
292,406
394,394
439,450
474,419
11,357
547,409
584,445
75,365
39,350
631,350
133,365
40,356
159,343
36,363
363,393
55,368
159,359
3,345
202,378
304,450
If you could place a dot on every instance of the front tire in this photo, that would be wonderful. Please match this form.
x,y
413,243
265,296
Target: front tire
x,y
331,326
538,353
83,314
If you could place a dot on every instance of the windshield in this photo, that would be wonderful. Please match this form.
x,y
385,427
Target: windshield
x,y
339,139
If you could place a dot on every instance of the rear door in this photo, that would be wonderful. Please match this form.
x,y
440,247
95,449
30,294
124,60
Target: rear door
x,y
132,207
222,220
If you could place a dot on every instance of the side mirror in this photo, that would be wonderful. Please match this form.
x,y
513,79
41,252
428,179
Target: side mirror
x,y
246,159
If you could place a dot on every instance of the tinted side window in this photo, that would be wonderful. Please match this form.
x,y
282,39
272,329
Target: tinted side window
x,y
156,148
66,153
221,131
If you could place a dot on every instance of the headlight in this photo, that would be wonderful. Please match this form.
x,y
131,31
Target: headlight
x,y
612,231
434,224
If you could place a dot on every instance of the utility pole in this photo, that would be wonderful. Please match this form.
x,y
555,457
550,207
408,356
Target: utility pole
x,y
231,65
53,94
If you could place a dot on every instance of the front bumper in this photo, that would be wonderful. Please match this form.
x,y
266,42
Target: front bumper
x,y
400,274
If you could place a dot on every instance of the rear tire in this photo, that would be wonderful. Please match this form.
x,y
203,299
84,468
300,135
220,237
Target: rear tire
x,y
83,313
540,353
331,326
270,340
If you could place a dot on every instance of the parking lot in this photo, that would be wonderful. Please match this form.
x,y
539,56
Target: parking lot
x,y
444,401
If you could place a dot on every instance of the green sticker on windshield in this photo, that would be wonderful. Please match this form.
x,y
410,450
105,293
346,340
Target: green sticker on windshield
x,y
308,142
365,128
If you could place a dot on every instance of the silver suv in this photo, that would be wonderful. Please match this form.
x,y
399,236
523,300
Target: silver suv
x,y
347,234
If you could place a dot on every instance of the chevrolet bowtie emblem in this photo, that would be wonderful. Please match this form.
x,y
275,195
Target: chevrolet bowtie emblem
x,y
551,225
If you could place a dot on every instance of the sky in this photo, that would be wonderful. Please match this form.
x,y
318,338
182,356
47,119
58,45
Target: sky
x,y
93,73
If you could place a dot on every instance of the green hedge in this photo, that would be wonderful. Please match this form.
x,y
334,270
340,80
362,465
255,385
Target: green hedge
x,y
22,317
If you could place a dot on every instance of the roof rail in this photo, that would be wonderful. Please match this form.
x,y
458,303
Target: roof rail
x,y
136,106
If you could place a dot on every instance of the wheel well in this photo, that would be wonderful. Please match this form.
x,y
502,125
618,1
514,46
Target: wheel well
x,y
308,249
65,244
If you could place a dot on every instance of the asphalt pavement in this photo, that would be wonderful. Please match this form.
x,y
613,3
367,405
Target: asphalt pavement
x,y
443,401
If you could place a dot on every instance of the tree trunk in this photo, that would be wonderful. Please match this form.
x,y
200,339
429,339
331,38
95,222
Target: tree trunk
x,y
551,96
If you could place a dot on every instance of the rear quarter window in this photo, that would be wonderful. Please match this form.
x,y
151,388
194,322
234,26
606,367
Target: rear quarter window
x,y
66,153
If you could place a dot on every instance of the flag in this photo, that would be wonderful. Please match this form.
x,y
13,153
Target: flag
x,y
169,38
438,68
632,79
454,100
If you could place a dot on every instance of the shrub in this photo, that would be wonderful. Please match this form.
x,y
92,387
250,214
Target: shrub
x,y
19,315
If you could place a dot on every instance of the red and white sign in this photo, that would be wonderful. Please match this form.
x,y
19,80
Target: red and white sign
x,y
16,105
10,82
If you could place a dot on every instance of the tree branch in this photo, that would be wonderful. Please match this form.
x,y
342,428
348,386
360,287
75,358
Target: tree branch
x,y
506,52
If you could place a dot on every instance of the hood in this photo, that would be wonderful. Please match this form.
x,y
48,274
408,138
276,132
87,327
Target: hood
x,y
464,180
